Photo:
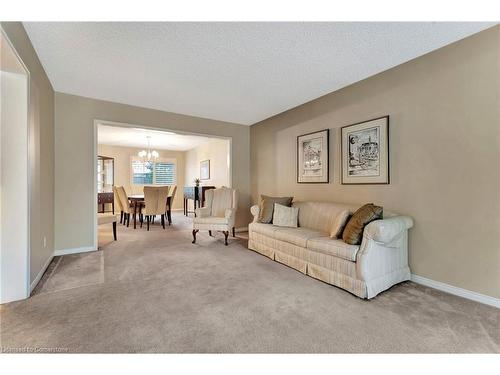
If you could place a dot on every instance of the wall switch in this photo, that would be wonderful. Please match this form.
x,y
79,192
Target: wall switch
x,y
44,241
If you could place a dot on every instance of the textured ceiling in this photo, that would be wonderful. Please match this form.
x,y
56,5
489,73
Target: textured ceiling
x,y
236,72
137,137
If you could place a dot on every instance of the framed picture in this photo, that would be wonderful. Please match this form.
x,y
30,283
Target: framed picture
x,y
205,170
365,152
312,157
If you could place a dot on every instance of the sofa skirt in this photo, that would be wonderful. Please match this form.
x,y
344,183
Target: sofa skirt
x,y
332,270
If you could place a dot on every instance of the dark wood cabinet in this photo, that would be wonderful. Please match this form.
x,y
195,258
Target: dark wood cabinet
x,y
103,199
105,182
195,193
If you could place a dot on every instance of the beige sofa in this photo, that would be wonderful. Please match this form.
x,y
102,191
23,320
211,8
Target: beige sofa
x,y
365,270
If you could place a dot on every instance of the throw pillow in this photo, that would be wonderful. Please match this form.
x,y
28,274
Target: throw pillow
x,y
353,231
267,207
339,224
285,216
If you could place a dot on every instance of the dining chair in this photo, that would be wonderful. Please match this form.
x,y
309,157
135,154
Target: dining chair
x,y
127,207
170,201
155,199
118,202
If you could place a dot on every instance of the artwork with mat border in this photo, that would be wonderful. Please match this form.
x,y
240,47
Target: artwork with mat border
x,y
365,152
312,157
205,170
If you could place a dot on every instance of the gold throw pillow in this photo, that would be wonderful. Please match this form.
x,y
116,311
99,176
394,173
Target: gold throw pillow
x,y
353,231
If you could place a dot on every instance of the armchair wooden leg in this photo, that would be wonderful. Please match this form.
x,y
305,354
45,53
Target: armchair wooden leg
x,y
147,220
210,233
114,230
121,217
226,235
128,219
163,221
234,232
194,235
169,216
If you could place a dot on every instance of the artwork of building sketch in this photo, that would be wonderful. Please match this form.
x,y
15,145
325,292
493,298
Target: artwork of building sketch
x,y
364,152
311,157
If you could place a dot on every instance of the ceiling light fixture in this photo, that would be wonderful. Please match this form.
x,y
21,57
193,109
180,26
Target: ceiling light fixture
x,y
148,156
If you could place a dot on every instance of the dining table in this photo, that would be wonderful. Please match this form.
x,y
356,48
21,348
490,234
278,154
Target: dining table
x,y
138,199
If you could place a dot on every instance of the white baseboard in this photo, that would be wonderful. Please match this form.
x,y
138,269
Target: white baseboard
x,y
242,229
38,277
77,250
468,294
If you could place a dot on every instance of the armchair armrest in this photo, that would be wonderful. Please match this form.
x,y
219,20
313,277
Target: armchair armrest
x,y
202,212
386,231
230,215
255,210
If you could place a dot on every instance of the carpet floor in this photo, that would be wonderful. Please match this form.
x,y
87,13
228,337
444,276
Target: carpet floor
x,y
156,292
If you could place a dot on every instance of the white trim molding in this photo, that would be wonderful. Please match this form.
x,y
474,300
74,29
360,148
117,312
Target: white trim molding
x,y
241,229
38,277
464,293
77,250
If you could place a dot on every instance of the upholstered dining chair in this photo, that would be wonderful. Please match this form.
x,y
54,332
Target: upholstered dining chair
x,y
155,200
118,202
171,197
218,213
126,206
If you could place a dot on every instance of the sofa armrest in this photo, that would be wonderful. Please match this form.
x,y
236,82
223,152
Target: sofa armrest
x,y
387,231
255,210
202,212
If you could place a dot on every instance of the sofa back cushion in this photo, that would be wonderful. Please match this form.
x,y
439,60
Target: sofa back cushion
x,y
321,216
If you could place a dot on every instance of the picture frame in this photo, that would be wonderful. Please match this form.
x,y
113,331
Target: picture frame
x,y
365,152
313,157
205,170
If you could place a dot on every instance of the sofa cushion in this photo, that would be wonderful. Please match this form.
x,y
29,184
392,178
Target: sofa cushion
x,y
334,247
265,229
297,236
353,231
267,207
320,215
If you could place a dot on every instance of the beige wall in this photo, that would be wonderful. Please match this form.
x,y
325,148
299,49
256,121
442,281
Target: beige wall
x,y
41,123
74,147
122,172
217,152
444,155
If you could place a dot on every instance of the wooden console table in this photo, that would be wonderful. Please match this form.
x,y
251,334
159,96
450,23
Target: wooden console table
x,y
103,198
197,194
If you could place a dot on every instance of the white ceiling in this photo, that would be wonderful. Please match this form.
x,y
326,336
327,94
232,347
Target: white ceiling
x,y
236,72
137,137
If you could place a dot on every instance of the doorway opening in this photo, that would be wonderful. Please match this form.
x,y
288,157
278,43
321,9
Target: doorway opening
x,y
134,156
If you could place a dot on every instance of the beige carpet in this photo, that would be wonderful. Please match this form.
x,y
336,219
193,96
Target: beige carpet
x,y
156,292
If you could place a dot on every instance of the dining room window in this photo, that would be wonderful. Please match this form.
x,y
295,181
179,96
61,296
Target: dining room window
x,y
160,172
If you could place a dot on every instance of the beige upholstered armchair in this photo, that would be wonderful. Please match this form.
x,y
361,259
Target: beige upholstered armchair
x,y
155,200
218,213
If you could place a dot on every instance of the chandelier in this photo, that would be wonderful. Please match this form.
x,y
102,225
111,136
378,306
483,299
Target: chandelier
x,y
148,156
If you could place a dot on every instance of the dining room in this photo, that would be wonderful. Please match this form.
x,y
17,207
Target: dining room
x,y
151,180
